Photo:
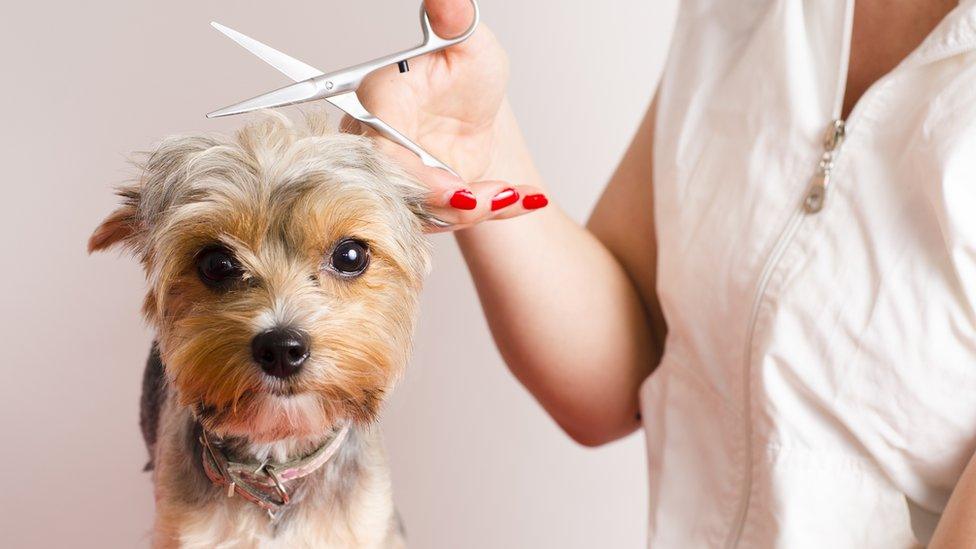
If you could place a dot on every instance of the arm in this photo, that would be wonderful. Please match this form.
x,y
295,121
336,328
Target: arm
x,y
572,309
957,527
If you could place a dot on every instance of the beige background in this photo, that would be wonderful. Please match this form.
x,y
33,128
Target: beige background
x,y
476,462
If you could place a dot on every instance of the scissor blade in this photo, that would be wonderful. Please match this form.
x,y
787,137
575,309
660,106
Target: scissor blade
x,y
289,95
288,65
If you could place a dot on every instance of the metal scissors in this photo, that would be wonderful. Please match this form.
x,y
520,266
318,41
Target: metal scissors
x,y
339,87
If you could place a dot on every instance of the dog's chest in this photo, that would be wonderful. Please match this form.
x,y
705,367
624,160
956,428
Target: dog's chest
x,y
222,525
348,503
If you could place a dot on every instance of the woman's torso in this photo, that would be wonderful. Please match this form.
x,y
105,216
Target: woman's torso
x,y
819,378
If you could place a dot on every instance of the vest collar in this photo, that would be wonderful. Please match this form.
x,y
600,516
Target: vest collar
x,y
954,35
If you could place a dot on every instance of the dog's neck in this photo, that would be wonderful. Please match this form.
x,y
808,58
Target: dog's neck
x,y
279,451
347,501
268,483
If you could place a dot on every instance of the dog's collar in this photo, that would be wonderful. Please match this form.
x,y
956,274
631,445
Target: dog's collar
x,y
264,484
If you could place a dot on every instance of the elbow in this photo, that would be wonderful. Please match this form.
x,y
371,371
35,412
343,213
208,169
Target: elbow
x,y
590,440
596,435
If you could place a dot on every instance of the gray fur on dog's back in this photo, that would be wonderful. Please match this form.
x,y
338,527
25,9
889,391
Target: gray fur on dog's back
x,y
153,395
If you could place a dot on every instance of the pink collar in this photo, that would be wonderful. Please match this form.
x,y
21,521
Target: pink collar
x,y
264,483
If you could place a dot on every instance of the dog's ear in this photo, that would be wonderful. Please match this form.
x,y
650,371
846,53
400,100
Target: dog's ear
x,y
415,195
417,203
162,180
121,226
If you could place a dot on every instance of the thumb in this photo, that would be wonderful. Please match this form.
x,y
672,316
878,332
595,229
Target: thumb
x,y
449,18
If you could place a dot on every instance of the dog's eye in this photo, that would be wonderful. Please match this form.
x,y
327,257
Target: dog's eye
x,y
350,257
217,267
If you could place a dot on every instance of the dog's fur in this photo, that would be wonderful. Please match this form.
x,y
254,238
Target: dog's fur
x,y
278,196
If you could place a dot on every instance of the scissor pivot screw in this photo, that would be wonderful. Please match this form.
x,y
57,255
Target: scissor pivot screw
x,y
329,85
404,66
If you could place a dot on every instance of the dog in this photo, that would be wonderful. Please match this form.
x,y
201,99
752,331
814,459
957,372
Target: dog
x,y
283,269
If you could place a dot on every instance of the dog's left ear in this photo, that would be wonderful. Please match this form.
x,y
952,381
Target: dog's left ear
x,y
418,205
414,194
120,227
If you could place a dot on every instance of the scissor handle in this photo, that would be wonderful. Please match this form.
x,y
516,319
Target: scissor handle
x,y
339,82
436,41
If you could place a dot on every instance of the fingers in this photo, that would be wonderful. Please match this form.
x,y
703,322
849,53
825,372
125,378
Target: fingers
x,y
449,18
526,199
484,201
462,204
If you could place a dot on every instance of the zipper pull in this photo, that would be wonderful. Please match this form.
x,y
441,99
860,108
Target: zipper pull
x,y
817,193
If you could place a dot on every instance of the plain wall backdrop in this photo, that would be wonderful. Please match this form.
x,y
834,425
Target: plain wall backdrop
x,y
476,462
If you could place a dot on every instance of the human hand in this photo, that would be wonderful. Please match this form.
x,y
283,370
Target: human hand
x,y
452,103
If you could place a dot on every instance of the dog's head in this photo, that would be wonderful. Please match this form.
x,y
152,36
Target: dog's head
x,y
283,271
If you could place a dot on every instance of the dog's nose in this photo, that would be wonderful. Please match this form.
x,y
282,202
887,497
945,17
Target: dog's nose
x,y
280,352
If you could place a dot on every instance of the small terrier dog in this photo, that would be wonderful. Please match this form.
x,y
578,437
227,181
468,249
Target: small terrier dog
x,y
283,269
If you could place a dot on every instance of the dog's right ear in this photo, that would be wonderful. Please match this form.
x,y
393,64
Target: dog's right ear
x,y
121,226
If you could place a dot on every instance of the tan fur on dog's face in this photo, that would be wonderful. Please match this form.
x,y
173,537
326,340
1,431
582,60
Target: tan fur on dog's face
x,y
279,198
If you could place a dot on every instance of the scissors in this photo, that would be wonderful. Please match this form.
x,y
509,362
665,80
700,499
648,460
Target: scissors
x,y
339,87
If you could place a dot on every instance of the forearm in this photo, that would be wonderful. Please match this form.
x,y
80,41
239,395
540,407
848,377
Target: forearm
x,y
564,313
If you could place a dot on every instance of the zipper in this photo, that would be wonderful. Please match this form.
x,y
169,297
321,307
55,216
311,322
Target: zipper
x,y
813,202
782,242
817,193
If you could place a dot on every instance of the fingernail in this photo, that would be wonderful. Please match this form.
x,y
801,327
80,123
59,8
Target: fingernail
x,y
464,200
534,201
506,197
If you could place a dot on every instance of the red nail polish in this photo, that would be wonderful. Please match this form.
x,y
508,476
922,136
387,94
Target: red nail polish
x,y
504,198
534,201
464,200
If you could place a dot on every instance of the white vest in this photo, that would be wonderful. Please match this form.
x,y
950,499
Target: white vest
x,y
818,386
